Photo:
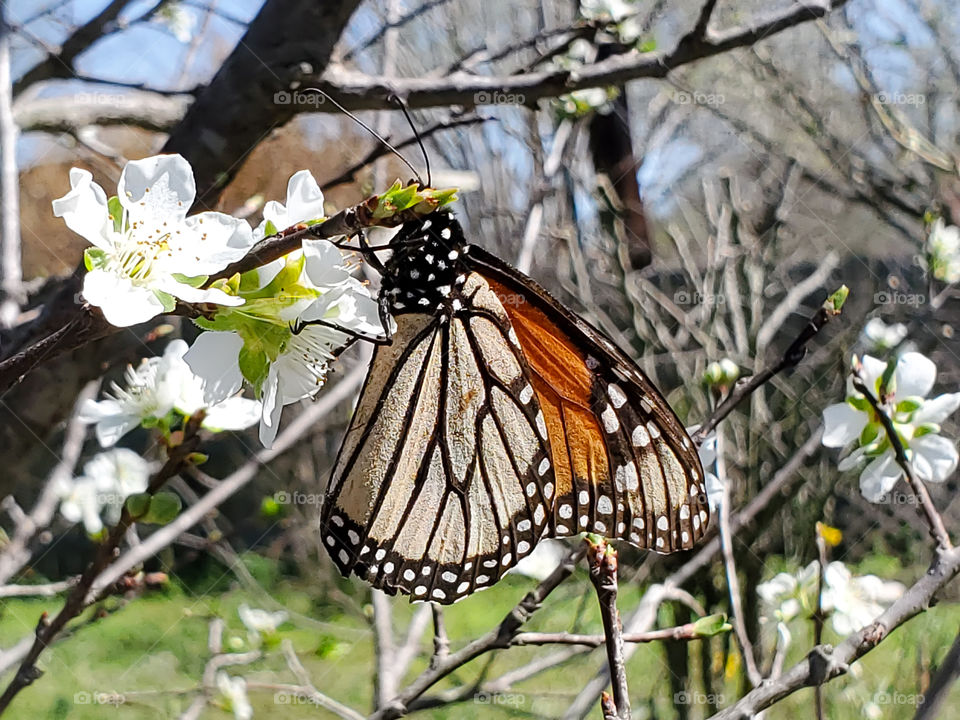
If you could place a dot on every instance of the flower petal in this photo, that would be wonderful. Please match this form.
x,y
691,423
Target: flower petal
x,y
934,457
937,409
234,413
157,190
122,303
84,209
842,425
879,477
915,375
214,357
272,408
190,294
219,240
304,198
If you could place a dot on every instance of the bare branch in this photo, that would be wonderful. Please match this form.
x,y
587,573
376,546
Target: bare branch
x,y
497,638
357,91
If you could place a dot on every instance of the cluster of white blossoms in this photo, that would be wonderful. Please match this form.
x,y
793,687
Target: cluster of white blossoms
x,y
901,387
852,601
273,329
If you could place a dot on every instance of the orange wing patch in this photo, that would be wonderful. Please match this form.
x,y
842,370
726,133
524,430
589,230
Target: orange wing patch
x,y
564,386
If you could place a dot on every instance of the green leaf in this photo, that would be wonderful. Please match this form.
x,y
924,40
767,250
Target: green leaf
x,y
164,507
270,229
270,508
94,257
255,366
647,45
711,625
116,213
860,403
926,429
909,405
138,505
869,434
194,282
169,301
835,302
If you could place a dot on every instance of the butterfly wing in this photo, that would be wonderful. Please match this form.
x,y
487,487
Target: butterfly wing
x,y
623,462
443,481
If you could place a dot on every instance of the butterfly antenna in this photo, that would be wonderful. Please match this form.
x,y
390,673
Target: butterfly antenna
x,y
373,132
416,133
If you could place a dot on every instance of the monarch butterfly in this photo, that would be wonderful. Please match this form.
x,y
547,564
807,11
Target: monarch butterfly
x,y
496,417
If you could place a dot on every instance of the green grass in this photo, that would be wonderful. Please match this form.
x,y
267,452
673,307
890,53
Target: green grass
x,y
152,651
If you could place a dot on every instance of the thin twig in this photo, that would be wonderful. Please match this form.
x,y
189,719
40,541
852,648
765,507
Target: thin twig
x,y
793,355
16,553
316,697
733,586
602,559
441,643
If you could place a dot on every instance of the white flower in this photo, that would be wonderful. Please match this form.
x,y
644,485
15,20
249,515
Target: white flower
x,y
622,12
708,458
233,692
80,502
108,479
155,388
144,258
179,21
856,602
854,425
546,556
786,596
304,203
260,624
943,251
879,337
286,365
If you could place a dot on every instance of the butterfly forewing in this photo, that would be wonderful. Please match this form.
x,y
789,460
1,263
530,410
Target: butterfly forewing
x,y
444,480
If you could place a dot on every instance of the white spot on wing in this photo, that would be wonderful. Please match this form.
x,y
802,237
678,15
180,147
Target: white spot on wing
x,y
616,395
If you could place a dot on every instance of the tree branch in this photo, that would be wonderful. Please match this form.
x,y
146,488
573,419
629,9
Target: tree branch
x,y
357,91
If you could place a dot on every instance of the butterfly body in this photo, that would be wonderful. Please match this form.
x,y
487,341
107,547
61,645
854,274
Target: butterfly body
x,y
494,418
